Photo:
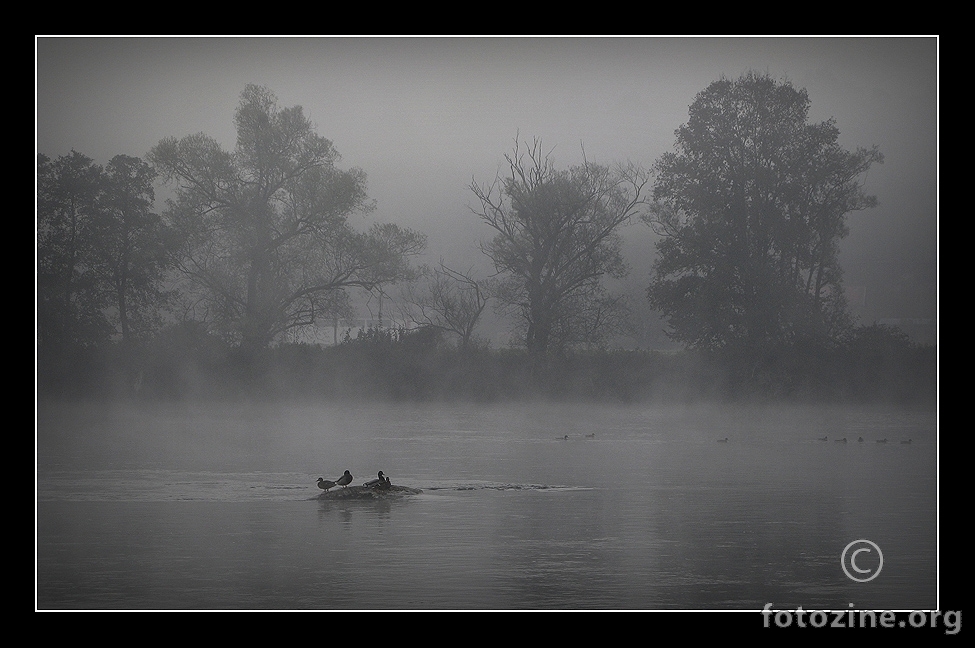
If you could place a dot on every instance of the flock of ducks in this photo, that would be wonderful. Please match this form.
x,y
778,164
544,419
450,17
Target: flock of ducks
x,y
843,440
380,482
860,440
725,440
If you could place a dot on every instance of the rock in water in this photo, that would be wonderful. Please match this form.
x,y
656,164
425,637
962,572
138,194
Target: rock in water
x,y
363,493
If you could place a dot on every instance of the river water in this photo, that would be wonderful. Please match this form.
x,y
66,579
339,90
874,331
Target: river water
x,y
214,506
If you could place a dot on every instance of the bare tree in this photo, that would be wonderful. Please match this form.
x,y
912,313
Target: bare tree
x,y
449,301
556,237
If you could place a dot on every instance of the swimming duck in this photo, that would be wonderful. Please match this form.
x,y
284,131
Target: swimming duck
x,y
325,484
724,440
843,440
859,439
344,480
823,439
881,440
591,436
379,482
906,442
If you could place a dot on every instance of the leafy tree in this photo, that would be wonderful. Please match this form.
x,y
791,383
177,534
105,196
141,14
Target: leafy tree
x,y
101,251
131,247
556,237
752,206
265,228
69,303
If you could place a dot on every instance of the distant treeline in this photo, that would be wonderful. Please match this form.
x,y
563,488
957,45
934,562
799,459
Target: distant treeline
x,y
254,249
184,362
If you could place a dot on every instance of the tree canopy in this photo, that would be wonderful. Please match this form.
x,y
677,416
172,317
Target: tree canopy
x,y
69,305
266,239
752,205
259,241
556,237
132,246
102,252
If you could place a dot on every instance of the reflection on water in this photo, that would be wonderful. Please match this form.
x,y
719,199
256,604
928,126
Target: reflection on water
x,y
193,508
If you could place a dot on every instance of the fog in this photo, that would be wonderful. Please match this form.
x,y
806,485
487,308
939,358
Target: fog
x,y
423,117
206,498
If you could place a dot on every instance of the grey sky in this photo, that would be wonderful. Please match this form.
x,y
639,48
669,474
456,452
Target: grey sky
x,y
423,116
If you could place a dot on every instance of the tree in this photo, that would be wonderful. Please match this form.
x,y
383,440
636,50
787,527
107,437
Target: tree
x,y
69,303
131,247
450,301
556,237
752,206
265,228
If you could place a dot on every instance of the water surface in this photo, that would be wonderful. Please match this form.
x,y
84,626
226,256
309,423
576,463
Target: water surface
x,y
192,506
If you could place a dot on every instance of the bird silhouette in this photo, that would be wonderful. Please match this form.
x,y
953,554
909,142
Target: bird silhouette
x,y
325,484
843,440
881,440
724,440
591,436
860,440
906,442
379,482
823,439
344,480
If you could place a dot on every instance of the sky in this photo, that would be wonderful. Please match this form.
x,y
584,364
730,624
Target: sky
x,y
426,116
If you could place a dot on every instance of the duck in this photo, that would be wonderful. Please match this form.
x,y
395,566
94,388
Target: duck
x,y
823,439
724,440
906,442
859,439
843,440
591,436
344,480
379,482
325,484
881,440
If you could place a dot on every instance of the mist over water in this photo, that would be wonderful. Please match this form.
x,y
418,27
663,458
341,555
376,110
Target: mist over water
x,y
186,504
212,506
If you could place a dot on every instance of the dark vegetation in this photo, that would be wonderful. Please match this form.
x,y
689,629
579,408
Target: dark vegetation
x,y
878,364
257,246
